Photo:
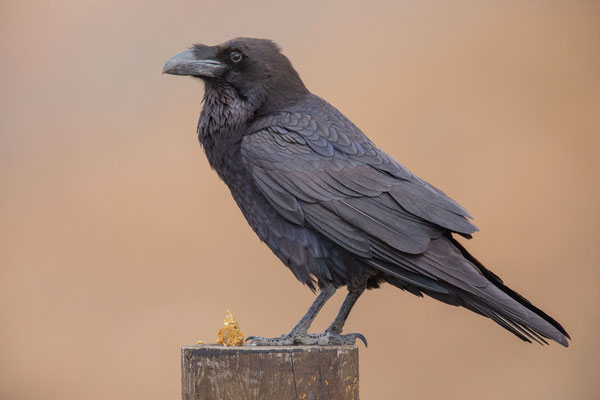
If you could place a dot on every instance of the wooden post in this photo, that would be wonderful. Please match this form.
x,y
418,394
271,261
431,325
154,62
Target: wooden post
x,y
211,372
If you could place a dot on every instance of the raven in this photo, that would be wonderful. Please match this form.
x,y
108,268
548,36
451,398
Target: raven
x,y
333,207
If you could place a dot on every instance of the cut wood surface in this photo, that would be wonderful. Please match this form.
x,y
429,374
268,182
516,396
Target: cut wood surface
x,y
278,372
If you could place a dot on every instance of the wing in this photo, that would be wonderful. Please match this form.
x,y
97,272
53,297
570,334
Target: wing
x,y
319,170
316,164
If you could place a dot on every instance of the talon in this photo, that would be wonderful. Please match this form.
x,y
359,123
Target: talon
x,y
249,338
359,336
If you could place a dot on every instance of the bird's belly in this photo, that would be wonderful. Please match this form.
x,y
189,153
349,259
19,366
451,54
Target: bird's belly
x,y
309,255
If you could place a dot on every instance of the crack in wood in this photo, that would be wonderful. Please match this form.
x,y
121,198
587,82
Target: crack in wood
x,y
294,375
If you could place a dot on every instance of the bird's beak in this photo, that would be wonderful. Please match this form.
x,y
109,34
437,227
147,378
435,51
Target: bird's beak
x,y
186,63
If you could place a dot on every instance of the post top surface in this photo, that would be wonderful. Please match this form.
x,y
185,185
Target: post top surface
x,y
216,348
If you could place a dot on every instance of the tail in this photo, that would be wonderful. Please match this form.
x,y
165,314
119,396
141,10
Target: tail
x,y
512,311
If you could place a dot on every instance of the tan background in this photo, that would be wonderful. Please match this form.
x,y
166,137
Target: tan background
x,y
118,244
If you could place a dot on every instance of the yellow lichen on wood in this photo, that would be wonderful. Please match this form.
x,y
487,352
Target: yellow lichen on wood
x,y
230,334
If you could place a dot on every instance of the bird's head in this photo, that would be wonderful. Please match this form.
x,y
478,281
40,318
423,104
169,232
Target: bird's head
x,y
254,68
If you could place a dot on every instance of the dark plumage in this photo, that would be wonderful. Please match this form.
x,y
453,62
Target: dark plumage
x,y
333,207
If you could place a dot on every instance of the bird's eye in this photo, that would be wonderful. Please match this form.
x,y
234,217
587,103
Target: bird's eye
x,y
236,56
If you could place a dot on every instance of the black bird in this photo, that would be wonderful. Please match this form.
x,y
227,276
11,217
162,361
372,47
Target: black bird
x,y
333,207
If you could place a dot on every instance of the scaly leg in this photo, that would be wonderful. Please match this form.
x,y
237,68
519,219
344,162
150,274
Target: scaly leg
x,y
338,323
332,335
299,333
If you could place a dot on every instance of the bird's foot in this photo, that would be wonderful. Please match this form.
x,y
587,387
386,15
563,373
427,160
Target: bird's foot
x,y
283,340
333,338
310,339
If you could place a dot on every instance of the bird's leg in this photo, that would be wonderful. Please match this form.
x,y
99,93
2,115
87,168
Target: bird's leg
x,y
333,334
337,325
302,326
299,333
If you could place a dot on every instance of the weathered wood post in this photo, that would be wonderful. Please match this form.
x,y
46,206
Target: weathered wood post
x,y
213,372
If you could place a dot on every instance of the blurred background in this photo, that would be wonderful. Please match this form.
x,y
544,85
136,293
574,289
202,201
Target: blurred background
x,y
118,244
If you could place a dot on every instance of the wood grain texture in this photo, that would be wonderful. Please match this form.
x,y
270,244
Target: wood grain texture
x,y
279,372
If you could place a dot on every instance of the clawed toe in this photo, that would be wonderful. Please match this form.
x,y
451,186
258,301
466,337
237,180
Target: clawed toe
x,y
330,337
350,338
283,340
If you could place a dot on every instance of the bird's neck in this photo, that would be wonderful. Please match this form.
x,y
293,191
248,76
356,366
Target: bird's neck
x,y
223,120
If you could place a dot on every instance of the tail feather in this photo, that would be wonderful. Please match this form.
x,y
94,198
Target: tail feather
x,y
521,331
496,318
535,327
